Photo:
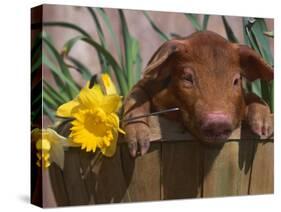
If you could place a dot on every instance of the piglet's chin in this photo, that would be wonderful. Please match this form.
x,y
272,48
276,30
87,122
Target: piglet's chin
x,y
215,138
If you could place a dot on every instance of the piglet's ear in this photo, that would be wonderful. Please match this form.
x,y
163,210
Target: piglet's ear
x,y
253,66
158,59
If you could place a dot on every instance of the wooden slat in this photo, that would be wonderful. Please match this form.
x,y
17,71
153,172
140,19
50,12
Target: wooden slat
x,y
223,173
173,168
262,176
142,174
181,172
75,187
110,186
58,186
90,164
47,192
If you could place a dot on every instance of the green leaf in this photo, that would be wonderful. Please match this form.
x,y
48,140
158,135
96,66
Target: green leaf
x,y
69,44
175,35
110,59
98,26
71,87
37,64
266,92
36,99
36,88
116,67
67,25
194,21
229,32
205,22
138,68
113,36
36,54
53,95
37,44
101,36
35,114
272,96
52,104
162,35
269,34
255,37
127,41
137,62
59,95
61,79
258,29
256,88
48,111
245,33
83,70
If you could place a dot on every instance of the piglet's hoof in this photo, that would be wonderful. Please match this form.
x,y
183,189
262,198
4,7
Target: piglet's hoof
x,y
260,120
137,137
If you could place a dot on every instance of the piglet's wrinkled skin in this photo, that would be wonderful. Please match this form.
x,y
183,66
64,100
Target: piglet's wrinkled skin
x,y
202,75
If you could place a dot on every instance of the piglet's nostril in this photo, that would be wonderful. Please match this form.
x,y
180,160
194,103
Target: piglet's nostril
x,y
216,126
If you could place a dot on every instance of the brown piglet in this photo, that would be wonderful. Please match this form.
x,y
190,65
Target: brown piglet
x,y
202,76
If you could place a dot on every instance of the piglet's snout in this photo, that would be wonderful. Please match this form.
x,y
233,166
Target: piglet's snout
x,y
216,126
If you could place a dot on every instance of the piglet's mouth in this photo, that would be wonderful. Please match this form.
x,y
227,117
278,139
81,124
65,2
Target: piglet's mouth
x,y
211,138
216,128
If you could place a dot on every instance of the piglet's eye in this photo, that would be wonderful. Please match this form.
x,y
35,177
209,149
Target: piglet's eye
x,y
188,78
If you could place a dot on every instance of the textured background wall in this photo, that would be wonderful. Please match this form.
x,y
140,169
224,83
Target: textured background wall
x,y
138,26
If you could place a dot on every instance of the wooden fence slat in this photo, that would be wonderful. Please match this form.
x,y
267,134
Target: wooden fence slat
x,y
223,176
75,187
58,186
110,186
177,166
89,166
142,174
181,172
262,176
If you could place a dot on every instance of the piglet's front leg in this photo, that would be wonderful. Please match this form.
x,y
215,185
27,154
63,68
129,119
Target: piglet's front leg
x,y
137,131
258,116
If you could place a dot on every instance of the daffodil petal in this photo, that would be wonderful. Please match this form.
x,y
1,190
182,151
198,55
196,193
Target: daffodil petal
x,y
107,84
90,97
43,144
57,154
67,109
54,137
38,163
46,164
121,131
36,134
110,150
111,103
39,155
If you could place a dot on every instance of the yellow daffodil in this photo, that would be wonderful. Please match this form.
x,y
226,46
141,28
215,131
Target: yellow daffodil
x,y
107,85
95,124
50,147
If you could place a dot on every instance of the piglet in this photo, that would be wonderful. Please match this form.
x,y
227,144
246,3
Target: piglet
x,y
201,75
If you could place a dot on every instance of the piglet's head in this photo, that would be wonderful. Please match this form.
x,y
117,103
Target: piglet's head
x,y
203,76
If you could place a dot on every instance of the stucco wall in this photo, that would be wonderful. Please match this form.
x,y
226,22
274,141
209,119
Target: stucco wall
x,y
138,25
